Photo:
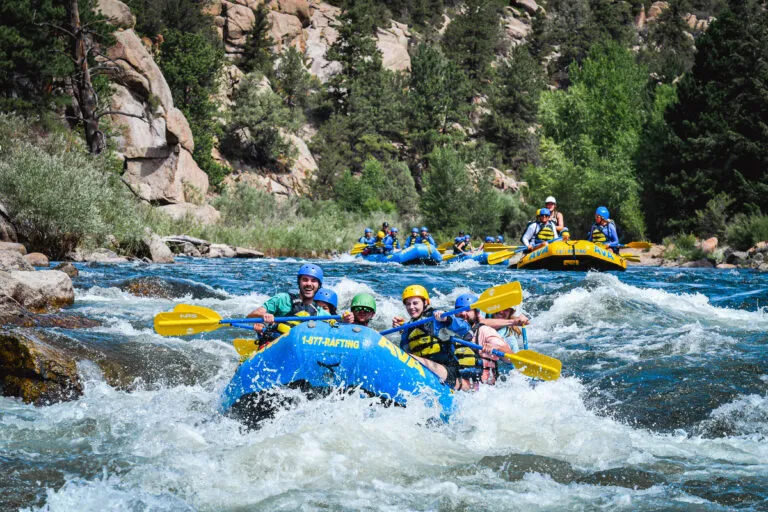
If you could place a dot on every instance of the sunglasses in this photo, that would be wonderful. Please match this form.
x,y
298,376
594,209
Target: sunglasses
x,y
362,310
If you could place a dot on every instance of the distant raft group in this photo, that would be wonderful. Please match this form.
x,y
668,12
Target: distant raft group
x,y
546,244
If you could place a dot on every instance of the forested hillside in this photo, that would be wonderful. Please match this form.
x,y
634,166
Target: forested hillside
x,y
655,110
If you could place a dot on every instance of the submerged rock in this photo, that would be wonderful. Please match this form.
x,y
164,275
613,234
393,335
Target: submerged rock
x,y
68,269
35,371
168,288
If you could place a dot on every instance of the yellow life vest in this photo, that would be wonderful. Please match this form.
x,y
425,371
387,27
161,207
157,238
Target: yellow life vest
x,y
422,343
597,235
546,233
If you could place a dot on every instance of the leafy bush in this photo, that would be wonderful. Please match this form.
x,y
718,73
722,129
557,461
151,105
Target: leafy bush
x,y
745,231
59,196
713,219
683,245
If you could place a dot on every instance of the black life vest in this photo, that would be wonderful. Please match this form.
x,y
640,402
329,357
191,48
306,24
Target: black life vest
x,y
297,306
423,342
470,360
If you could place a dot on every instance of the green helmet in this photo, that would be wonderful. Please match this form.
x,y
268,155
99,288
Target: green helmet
x,y
363,300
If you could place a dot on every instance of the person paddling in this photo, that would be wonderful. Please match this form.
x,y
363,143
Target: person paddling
x,y
539,231
367,237
395,242
363,309
422,341
508,325
478,366
310,279
604,230
426,238
413,239
554,214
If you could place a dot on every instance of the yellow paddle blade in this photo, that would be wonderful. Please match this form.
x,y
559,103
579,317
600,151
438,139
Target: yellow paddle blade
x,y
182,323
444,246
189,308
533,364
639,245
245,347
448,257
358,248
494,247
631,257
498,257
500,297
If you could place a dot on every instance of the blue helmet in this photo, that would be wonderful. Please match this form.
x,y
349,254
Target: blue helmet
x,y
312,270
500,239
368,230
543,211
603,212
415,230
424,228
466,238
464,300
327,295
489,239
458,239
394,230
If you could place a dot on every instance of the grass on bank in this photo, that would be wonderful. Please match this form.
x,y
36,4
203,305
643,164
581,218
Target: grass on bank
x,y
61,197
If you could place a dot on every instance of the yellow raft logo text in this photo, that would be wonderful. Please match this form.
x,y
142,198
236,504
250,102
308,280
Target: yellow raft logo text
x,y
402,356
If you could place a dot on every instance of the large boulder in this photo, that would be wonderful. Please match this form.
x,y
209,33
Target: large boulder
x,y
158,251
285,28
101,255
133,59
298,8
167,180
12,260
13,246
37,259
178,130
38,291
117,13
319,36
393,45
205,214
35,371
655,10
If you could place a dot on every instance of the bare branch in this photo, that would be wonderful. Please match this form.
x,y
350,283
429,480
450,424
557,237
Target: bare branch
x,y
120,113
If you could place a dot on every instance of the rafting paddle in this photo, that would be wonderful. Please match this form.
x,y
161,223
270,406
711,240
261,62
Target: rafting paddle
x,y
185,319
358,248
492,300
528,362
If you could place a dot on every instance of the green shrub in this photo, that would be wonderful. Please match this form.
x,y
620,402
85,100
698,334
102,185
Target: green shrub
x,y
61,199
683,245
713,219
745,231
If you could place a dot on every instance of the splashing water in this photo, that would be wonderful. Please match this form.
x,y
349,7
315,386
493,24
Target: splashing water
x,y
662,404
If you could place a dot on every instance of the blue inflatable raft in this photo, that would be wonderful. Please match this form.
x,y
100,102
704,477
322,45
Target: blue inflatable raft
x,y
416,254
319,358
480,257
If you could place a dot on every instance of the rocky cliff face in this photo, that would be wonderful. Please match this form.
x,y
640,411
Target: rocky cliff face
x,y
157,143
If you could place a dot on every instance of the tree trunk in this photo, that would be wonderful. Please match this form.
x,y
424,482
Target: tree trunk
x,y
83,88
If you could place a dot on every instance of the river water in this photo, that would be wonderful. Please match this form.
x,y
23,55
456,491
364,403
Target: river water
x,y
663,404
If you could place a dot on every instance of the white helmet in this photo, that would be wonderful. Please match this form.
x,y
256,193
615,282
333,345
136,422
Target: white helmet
x,y
550,199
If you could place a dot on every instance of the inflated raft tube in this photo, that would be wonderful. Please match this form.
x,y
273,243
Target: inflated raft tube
x,y
416,254
319,358
572,255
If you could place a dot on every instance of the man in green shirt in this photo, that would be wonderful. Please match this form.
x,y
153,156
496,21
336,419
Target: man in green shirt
x,y
310,278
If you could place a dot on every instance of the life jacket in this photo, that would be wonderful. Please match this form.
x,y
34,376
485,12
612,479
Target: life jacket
x,y
456,248
367,240
472,365
543,233
423,342
396,243
297,306
599,232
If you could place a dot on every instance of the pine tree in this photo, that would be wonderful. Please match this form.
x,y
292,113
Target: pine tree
x,y
257,53
471,38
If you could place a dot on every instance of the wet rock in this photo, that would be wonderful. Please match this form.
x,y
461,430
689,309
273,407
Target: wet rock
x,y
168,289
241,252
698,264
38,291
190,250
12,260
37,259
157,249
735,257
10,310
12,246
68,269
7,229
726,266
35,371
221,251
102,255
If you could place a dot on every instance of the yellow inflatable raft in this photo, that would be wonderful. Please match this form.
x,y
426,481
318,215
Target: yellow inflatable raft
x,y
572,255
